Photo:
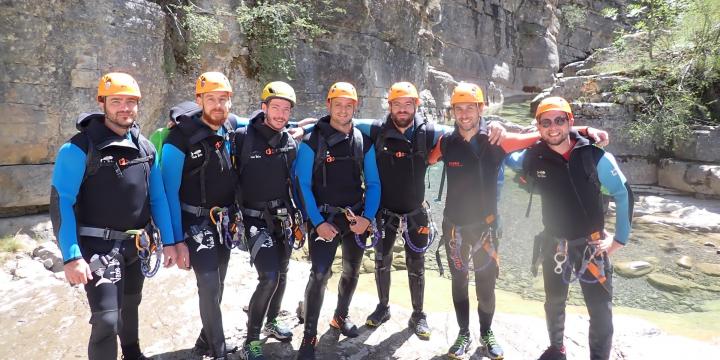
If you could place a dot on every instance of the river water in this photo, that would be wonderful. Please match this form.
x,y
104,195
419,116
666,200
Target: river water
x,y
646,243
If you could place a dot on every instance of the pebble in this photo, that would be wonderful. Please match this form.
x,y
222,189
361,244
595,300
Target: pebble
x,y
710,244
685,262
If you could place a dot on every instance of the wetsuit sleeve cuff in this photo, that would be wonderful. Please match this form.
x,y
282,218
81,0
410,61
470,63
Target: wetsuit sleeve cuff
x,y
65,262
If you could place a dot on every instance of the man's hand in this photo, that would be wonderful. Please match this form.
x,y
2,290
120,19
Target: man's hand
x,y
608,244
601,137
297,133
183,256
327,231
77,272
496,133
361,225
170,255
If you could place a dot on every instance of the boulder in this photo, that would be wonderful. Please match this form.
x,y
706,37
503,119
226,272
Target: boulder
x,y
368,266
709,269
668,283
689,176
25,268
703,145
48,251
633,269
685,262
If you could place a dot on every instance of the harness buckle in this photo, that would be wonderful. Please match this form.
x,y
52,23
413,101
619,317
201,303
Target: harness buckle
x,y
122,162
106,234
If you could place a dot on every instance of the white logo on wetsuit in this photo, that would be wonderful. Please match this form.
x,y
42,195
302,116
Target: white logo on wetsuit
x,y
541,174
267,241
112,270
205,239
196,154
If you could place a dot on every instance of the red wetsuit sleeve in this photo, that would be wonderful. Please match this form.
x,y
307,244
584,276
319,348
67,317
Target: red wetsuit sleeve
x,y
436,152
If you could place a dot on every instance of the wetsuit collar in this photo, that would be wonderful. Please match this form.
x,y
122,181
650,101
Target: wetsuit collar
x,y
104,137
271,135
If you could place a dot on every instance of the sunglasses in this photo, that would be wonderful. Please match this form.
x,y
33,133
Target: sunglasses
x,y
559,121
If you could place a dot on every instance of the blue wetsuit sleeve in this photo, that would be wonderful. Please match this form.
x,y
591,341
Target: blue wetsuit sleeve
x,y
372,184
172,163
515,160
66,180
303,171
308,128
441,130
363,125
612,179
242,122
159,206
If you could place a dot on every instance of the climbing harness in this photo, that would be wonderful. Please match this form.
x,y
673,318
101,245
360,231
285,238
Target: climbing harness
x,y
486,242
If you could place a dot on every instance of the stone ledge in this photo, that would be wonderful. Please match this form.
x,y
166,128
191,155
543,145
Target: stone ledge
x,y
690,176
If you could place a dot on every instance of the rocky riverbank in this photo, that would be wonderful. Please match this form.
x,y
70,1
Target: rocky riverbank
x,y
43,317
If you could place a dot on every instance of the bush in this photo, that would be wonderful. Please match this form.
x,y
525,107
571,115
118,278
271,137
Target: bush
x,y
200,27
680,75
275,27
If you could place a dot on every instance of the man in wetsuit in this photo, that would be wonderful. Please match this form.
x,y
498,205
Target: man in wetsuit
x,y
106,189
200,184
569,172
265,153
402,142
470,214
331,165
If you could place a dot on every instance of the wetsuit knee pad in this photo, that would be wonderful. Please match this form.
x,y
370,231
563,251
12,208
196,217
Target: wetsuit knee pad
x,y
416,266
208,282
320,277
268,279
352,268
104,324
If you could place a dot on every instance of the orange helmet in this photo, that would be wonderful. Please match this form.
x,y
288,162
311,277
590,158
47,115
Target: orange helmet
x,y
117,84
212,81
403,89
466,93
342,90
554,103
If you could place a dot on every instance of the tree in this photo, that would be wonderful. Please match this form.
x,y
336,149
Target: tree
x,y
655,17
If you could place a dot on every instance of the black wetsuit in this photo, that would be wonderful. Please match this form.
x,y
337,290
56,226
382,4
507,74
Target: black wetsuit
x,y
104,181
327,184
198,176
472,172
264,159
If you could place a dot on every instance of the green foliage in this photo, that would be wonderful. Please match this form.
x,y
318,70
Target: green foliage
x,y
201,27
9,245
275,27
573,15
681,80
609,12
655,17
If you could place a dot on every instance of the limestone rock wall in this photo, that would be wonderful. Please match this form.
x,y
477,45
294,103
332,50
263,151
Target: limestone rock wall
x,y
53,53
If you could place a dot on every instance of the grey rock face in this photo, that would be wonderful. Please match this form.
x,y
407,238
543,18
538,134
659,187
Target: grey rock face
x,y
689,176
54,55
